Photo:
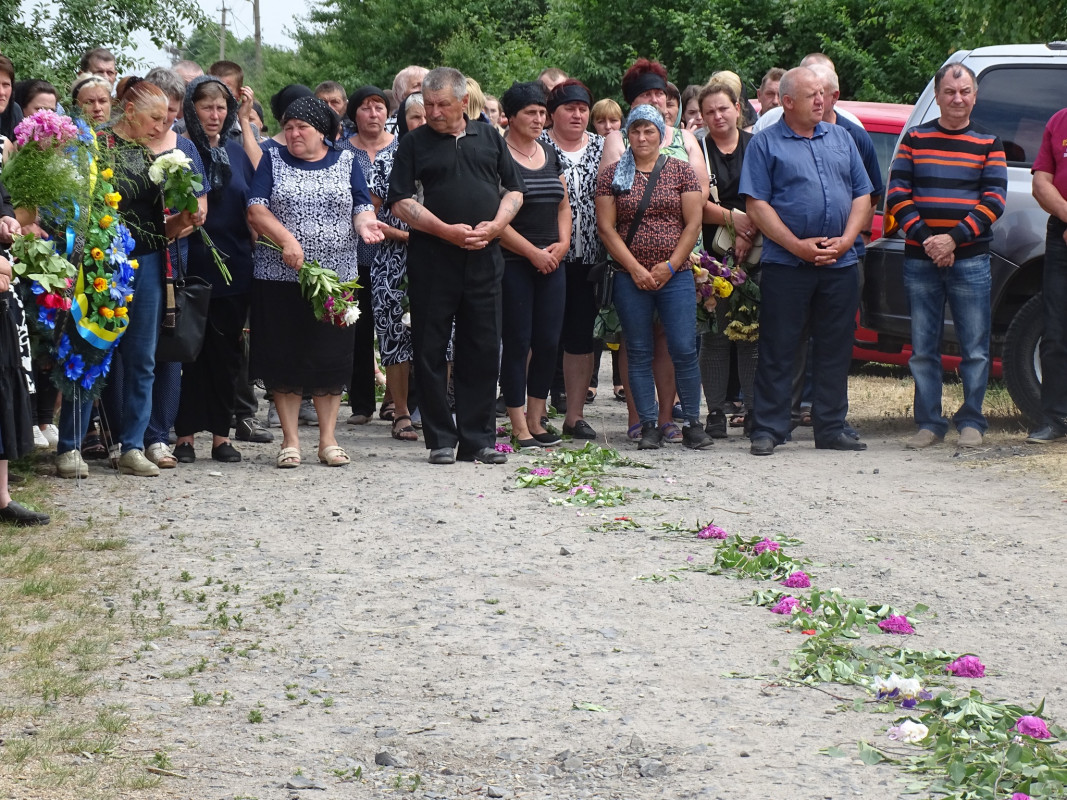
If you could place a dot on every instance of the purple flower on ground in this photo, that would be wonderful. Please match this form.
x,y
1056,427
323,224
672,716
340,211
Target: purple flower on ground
x,y
1020,796
541,471
967,667
503,447
1032,726
501,430
896,623
584,488
766,545
785,606
798,580
712,532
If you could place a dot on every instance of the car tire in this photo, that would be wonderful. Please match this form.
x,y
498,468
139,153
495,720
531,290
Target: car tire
x,y
1022,358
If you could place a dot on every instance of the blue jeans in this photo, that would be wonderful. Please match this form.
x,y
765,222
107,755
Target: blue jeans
x,y
966,287
138,349
676,304
1054,339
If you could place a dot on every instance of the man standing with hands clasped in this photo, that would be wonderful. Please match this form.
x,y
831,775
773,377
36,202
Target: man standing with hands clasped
x,y
809,195
455,184
946,189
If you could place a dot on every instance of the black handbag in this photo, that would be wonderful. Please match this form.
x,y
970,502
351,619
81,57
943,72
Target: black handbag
x,y
182,341
602,274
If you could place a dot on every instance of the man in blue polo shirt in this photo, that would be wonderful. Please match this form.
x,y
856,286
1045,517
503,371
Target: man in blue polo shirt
x,y
809,194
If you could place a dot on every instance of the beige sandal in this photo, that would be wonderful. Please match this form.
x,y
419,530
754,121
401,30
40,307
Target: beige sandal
x,y
289,458
333,456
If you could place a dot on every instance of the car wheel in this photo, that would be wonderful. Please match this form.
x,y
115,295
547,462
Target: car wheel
x,y
1022,358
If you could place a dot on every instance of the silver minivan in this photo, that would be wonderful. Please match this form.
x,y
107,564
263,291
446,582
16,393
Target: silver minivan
x,y
1019,88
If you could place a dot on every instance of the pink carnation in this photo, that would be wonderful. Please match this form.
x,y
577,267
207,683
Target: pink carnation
x,y
541,471
967,667
798,580
47,128
766,544
896,623
785,606
1032,726
1020,796
712,532
503,447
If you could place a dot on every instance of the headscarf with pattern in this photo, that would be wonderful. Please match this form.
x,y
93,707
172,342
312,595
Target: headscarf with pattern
x,y
627,168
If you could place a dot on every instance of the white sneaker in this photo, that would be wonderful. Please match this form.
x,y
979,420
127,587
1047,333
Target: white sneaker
x,y
51,433
161,455
71,465
39,439
133,462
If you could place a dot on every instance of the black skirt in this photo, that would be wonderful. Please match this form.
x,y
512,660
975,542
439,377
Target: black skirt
x,y
290,350
16,426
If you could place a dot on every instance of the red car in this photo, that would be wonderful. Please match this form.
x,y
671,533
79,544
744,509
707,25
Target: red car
x,y
885,122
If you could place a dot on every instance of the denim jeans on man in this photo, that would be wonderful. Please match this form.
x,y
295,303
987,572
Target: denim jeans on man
x,y
137,347
966,288
1054,339
791,297
676,303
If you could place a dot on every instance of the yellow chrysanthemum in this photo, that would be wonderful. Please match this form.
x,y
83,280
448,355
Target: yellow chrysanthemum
x,y
129,298
112,199
97,254
106,220
134,263
106,312
100,284
120,311
107,174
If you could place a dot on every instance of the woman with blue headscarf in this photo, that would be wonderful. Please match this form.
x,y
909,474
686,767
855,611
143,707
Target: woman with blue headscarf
x,y
652,261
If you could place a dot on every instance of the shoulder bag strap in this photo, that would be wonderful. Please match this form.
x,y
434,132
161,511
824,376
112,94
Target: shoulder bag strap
x,y
646,199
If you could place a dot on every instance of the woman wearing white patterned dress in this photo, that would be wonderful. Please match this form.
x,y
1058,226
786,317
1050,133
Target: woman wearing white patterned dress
x,y
311,201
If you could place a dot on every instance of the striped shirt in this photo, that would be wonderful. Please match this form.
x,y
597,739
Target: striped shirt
x,y
951,182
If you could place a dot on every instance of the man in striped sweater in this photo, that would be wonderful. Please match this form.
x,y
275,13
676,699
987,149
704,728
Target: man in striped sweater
x,y
946,189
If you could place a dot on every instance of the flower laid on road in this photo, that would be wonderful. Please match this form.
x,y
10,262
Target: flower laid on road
x,y
501,430
541,471
710,531
503,447
967,667
896,623
766,545
1020,796
909,731
787,605
583,488
798,580
1032,726
908,690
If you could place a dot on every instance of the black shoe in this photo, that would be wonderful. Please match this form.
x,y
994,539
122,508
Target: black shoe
x,y
842,442
651,436
487,455
559,403
249,430
695,438
579,430
226,453
185,453
21,516
762,446
501,407
548,438
442,455
528,444
590,397
716,425
1046,434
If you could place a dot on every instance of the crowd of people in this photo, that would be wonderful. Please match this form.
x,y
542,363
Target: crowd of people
x,y
473,224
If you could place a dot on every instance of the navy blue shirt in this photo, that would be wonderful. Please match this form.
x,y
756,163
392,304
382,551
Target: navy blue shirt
x,y
227,226
810,183
870,163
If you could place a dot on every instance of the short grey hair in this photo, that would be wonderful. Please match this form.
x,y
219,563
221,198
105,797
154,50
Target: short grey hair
x,y
442,78
787,87
414,99
403,78
826,76
169,81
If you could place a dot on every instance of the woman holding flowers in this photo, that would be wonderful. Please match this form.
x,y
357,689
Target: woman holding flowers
x,y
653,274
139,202
724,153
207,390
307,202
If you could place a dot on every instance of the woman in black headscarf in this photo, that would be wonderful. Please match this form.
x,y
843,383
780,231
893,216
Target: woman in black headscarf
x,y
207,396
278,103
311,201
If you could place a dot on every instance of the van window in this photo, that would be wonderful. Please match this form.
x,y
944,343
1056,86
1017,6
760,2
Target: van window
x,y
1015,103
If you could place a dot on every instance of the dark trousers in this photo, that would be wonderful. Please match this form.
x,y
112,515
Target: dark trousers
x,y
1054,340
361,398
792,297
245,402
446,283
207,396
533,318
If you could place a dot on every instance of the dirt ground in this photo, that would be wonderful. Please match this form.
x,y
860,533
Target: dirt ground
x,y
441,620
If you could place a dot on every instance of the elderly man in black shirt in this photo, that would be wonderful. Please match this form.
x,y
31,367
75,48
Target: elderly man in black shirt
x,y
454,183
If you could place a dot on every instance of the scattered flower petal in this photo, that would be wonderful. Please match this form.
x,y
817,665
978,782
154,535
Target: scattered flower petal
x,y
798,580
504,447
712,532
765,545
908,731
967,667
896,623
1032,726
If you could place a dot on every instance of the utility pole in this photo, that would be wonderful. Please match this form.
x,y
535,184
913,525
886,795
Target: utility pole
x,y
222,34
258,40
